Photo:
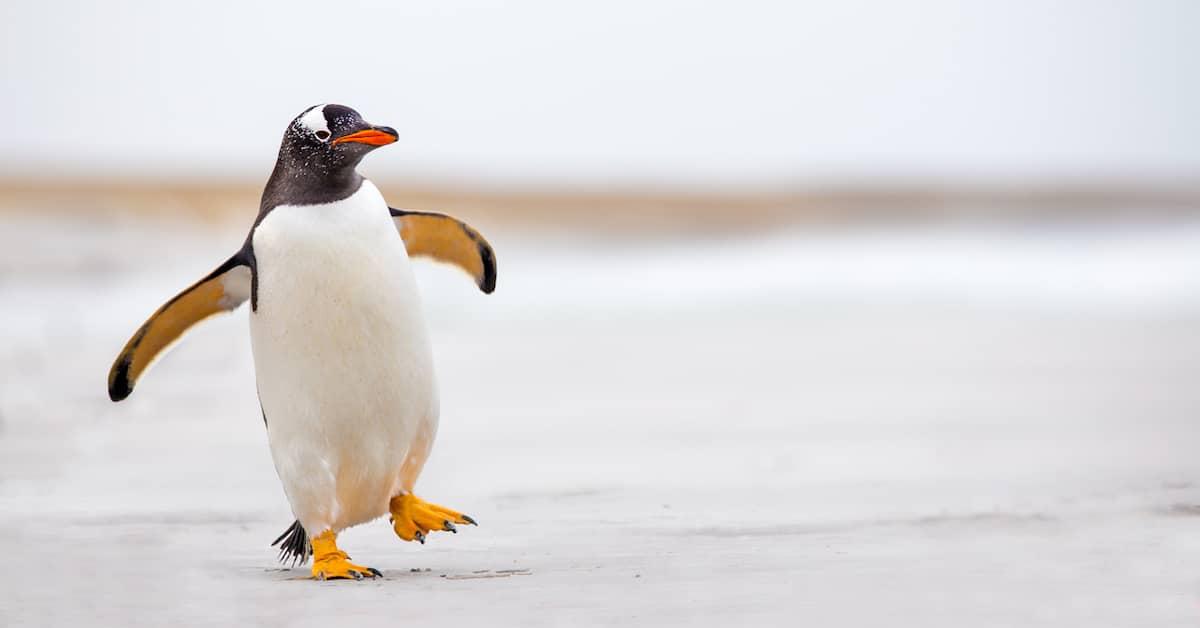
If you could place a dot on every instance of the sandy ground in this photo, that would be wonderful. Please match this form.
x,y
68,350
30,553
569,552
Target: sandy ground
x,y
972,427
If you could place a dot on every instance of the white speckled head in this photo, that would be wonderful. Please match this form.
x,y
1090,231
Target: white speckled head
x,y
313,120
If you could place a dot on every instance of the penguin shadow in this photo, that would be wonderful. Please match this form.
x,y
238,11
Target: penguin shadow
x,y
287,574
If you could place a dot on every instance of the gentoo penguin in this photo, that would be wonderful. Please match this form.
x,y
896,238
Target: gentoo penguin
x,y
341,355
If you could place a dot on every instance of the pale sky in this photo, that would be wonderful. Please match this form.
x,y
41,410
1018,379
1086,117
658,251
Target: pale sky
x,y
626,92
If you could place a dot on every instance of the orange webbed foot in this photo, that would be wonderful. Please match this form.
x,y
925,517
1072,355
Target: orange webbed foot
x,y
414,518
331,563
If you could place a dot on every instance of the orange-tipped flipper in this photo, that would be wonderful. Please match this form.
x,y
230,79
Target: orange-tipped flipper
x,y
447,239
223,290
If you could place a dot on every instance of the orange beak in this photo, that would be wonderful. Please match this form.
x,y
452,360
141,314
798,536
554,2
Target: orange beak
x,y
374,137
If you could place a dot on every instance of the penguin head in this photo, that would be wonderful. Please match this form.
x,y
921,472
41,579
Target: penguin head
x,y
331,138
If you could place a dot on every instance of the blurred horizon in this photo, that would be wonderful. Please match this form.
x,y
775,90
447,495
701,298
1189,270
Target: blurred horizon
x,y
629,211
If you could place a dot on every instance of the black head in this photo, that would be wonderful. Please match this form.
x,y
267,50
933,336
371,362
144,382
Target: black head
x,y
328,138
319,153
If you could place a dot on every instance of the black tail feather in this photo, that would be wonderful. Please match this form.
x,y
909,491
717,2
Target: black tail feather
x,y
294,548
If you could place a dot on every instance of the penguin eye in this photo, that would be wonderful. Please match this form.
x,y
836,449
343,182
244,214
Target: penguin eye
x,y
322,135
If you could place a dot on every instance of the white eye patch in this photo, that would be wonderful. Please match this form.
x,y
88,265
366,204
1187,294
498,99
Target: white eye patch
x,y
314,120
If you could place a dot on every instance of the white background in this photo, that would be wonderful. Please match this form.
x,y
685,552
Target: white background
x,y
675,93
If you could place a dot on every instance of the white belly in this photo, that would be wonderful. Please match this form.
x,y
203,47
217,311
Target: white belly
x,y
344,367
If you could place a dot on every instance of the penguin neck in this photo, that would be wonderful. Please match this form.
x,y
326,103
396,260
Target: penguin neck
x,y
291,184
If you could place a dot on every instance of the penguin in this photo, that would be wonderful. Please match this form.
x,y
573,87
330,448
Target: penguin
x,y
342,358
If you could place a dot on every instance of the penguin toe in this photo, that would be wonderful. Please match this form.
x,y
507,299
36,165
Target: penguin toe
x,y
414,518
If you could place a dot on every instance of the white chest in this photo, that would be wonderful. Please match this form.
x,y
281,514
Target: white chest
x,y
334,271
341,354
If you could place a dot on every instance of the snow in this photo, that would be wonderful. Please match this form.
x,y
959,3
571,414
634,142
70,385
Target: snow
x,y
984,426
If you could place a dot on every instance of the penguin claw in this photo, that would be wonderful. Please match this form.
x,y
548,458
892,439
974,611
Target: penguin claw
x,y
358,573
331,563
414,518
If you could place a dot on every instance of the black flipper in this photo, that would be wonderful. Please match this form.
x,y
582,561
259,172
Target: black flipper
x,y
295,547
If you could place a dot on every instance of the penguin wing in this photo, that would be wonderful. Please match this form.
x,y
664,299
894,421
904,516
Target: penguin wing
x,y
222,290
449,240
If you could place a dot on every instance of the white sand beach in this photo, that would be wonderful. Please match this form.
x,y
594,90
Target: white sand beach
x,y
960,426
